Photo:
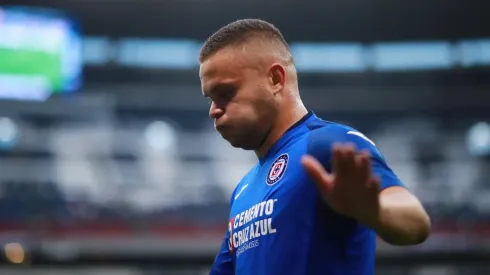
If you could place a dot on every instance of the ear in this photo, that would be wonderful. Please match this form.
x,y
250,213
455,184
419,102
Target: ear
x,y
277,74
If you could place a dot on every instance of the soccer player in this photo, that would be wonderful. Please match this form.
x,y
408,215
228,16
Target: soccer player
x,y
320,191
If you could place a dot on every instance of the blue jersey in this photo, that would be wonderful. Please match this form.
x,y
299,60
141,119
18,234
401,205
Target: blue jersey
x,y
278,223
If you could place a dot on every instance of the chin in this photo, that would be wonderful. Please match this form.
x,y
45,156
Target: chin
x,y
242,141
242,144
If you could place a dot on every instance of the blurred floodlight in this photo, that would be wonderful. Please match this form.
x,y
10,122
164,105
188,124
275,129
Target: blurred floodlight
x,y
338,57
14,252
412,55
161,135
96,50
8,132
159,53
478,139
475,52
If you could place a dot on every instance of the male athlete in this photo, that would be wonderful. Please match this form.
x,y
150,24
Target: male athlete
x,y
320,192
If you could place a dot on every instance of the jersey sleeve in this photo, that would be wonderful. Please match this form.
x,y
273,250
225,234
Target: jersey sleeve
x,y
320,146
223,263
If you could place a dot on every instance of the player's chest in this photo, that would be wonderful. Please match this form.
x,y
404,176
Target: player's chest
x,y
273,191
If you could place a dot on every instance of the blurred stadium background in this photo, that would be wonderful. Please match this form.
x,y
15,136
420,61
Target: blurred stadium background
x,y
109,164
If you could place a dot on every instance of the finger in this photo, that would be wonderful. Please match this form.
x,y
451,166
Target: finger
x,y
363,165
345,163
336,156
375,183
349,155
315,169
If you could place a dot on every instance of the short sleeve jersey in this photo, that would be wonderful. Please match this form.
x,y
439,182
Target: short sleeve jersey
x,y
278,224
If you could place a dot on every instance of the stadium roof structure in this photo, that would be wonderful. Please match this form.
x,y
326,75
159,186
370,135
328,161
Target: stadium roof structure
x,y
300,20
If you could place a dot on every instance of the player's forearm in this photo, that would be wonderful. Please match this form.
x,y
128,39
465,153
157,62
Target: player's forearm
x,y
402,220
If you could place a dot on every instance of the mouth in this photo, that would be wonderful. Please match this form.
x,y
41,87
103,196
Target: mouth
x,y
221,127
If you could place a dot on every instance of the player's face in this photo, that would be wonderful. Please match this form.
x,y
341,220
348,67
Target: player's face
x,y
241,102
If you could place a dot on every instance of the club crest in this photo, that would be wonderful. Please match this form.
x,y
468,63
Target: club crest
x,y
277,169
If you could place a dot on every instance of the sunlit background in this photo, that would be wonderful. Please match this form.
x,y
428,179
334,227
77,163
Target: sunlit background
x,y
109,163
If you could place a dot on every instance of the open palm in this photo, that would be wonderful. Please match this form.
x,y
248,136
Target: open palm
x,y
351,189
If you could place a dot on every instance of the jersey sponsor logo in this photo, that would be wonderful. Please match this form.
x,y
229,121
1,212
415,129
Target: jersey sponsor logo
x,y
230,230
277,169
246,227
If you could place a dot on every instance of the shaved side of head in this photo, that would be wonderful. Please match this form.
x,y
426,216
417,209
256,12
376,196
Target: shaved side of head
x,y
259,40
243,32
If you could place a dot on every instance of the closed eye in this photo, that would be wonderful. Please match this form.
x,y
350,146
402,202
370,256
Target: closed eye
x,y
221,93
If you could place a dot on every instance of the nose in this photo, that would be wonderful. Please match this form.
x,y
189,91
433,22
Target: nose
x,y
215,112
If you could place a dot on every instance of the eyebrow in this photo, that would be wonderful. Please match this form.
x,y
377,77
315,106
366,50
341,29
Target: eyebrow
x,y
217,87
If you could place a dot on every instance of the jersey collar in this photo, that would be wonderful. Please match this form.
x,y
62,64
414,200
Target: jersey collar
x,y
290,134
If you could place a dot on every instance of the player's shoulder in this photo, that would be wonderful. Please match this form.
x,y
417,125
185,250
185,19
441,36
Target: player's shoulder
x,y
323,134
328,132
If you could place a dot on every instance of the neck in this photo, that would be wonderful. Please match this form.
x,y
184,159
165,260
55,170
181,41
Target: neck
x,y
287,118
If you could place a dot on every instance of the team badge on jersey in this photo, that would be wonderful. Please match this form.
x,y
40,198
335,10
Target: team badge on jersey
x,y
277,169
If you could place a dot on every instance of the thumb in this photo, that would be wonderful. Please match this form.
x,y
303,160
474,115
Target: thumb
x,y
320,176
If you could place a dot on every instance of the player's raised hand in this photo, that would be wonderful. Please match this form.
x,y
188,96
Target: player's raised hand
x,y
351,189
